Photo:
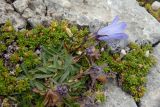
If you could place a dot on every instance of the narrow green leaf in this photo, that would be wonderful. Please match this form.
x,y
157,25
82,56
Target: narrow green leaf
x,y
39,85
42,69
41,76
24,69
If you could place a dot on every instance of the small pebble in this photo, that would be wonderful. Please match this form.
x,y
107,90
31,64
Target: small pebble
x,y
123,52
102,49
38,52
155,5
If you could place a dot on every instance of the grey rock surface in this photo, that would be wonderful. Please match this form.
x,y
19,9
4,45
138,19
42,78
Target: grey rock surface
x,y
7,12
152,96
20,5
117,98
85,12
36,13
156,5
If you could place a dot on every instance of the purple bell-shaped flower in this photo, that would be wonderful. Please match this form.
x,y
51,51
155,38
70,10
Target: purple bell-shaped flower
x,y
113,31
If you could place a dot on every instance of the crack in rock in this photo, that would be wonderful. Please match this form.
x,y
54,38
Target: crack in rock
x,y
155,44
46,8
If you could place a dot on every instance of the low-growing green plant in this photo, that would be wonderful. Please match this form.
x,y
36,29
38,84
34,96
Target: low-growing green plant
x,y
132,69
63,65
24,70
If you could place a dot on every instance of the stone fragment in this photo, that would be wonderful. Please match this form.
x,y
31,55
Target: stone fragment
x,y
33,21
117,98
156,5
7,13
152,96
20,5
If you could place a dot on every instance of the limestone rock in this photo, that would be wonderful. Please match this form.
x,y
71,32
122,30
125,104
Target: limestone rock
x,y
20,5
39,20
152,96
141,25
36,13
28,13
38,7
117,98
7,13
156,5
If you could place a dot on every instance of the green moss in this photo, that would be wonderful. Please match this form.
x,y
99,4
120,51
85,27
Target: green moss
x,y
2,67
24,60
10,85
132,69
14,58
7,36
100,97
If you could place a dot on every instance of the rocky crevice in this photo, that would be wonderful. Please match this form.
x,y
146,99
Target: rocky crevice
x,y
46,11
155,44
46,8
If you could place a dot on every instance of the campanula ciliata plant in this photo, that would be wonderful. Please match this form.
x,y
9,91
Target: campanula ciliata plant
x,y
64,65
113,31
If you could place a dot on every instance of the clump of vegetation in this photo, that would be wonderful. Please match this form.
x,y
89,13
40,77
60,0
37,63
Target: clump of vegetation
x,y
65,66
132,69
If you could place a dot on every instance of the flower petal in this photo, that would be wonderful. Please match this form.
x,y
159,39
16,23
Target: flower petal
x,y
114,36
103,30
118,28
115,20
112,29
